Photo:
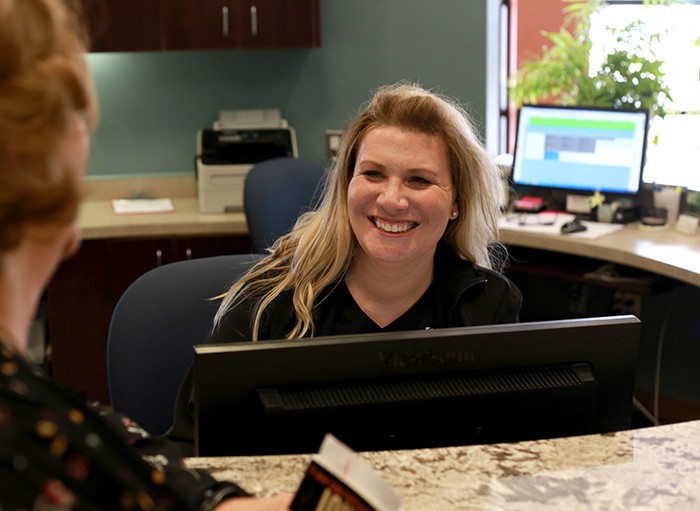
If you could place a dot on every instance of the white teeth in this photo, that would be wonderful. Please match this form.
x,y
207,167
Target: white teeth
x,y
392,227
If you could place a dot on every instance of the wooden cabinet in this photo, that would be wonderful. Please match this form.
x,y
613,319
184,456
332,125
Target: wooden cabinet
x,y
193,24
278,24
124,25
82,295
222,24
147,25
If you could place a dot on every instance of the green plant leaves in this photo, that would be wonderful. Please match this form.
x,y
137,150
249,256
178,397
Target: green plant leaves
x,y
630,76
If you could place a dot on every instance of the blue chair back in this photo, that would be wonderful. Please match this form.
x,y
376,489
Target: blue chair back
x,y
275,193
154,326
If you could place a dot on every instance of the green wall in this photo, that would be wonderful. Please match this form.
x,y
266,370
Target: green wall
x,y
153,103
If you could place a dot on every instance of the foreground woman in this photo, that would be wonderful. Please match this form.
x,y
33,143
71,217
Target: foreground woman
x,y
55,451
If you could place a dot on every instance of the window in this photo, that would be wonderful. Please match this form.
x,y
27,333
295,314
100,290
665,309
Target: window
x,y
673,153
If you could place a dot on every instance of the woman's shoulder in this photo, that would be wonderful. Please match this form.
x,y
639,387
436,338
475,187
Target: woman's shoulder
x,y
449,263
237,324
476,295
457,275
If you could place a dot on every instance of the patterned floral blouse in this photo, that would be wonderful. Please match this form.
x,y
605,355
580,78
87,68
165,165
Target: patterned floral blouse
x,y
58,453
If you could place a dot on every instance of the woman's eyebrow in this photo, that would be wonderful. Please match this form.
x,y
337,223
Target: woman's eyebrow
x,y
370,162
410,170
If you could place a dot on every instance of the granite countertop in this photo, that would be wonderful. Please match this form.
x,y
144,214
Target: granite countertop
x,y
645,469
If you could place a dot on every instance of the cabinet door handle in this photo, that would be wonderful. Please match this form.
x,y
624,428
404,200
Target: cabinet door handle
x,y
253,20
224,20
188,254
159,257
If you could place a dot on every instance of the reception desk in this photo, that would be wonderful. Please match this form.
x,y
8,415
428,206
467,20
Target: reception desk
x,y
648,469
655,275
667,252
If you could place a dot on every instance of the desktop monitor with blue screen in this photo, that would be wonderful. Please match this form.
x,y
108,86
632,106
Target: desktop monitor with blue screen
x,y
580,150
417,389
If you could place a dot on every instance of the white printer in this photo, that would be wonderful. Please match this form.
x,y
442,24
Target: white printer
x,y
238,140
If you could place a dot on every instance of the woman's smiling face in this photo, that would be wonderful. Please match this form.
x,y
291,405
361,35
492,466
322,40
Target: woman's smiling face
x,y
401,195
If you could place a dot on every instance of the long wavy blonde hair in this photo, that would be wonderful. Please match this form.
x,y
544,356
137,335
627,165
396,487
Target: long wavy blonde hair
x,y
320,248
44,81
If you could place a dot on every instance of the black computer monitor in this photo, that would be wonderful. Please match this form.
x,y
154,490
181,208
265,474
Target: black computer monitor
x,y
580,150
417,389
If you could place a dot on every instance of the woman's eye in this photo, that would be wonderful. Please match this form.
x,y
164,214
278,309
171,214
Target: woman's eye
x,y
419,181
372,175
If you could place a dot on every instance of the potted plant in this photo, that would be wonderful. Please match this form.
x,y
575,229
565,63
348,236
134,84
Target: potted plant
x,y
627,78
693,203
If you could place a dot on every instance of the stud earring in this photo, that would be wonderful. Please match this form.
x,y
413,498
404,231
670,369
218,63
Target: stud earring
x,y
453,214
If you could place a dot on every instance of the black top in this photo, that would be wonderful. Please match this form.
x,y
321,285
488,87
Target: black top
x,y
57,452
461,294
342,315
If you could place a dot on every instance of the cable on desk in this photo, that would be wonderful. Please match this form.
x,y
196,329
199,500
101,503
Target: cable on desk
x,y
659,350
654,415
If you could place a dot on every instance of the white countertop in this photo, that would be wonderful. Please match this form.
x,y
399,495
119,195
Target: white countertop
x,y
97,220
668,253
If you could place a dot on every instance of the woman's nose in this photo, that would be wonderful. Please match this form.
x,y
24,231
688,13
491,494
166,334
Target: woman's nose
x,y
393,196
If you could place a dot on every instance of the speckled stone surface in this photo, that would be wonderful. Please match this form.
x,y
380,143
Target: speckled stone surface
x,y
646,469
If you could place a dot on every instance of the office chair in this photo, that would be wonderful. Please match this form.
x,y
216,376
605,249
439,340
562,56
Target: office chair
x,y
275,193
154,325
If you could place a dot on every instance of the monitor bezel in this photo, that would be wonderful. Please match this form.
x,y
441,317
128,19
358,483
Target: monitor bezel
x,y
580,191
610,347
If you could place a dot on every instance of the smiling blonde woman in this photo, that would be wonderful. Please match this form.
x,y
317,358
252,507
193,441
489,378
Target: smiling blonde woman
x,y
405,238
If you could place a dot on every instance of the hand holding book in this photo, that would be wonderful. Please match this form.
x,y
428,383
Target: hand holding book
x,y
339,480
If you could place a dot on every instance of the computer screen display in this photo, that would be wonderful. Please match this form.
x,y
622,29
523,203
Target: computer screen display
x,y
580,149
416,389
